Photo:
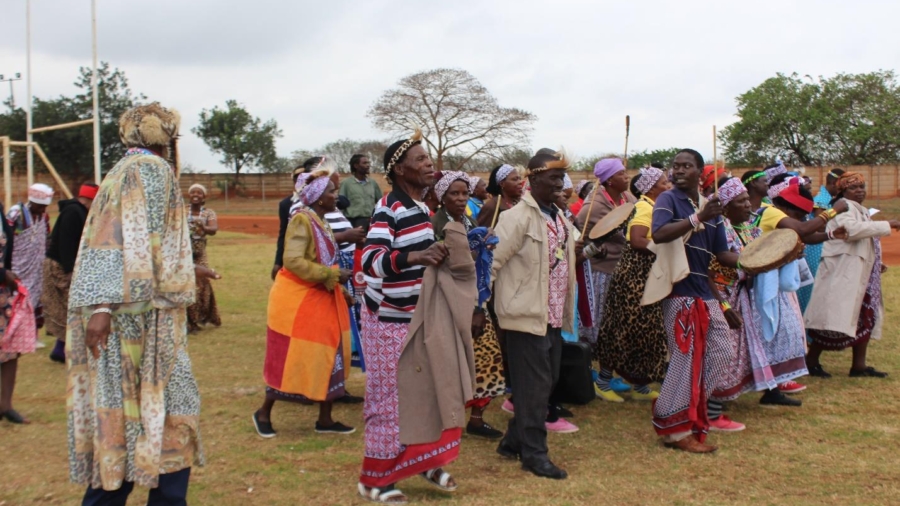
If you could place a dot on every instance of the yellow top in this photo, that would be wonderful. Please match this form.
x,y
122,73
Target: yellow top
x,y
643,216
300,255
771,217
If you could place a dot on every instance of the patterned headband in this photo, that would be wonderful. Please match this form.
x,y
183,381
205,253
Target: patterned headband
x,y
774,171
780,187
848,179
730,190
416,137
647,179
448,178
503,172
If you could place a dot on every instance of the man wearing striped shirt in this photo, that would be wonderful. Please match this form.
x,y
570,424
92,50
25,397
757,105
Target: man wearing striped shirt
x,y
399,245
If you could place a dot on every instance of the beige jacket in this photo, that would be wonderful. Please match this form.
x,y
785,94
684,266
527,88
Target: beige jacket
x,y
436,372
844,274
521,271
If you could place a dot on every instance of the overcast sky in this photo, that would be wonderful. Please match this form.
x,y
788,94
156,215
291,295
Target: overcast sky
x,y
580,66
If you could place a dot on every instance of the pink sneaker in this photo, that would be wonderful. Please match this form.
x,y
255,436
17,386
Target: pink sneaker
x,y
561,426
508,407
725,424
791,387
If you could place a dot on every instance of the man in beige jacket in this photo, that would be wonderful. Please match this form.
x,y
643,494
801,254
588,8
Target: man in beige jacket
x,y
534,293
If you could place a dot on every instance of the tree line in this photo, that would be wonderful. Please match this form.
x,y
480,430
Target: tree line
x,y
845,119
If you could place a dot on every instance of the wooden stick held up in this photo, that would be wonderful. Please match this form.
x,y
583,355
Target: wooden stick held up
x,y
497,210
715,164
598,184
627,131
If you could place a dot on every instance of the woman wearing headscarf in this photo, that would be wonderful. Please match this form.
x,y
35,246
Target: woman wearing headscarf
x,y
781,318
203,223
133,403
505,184
478,197
612,193
452,189
308,334
400,244
31,228
632,339
846,309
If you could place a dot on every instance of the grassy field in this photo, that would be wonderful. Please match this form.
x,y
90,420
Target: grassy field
x,y
841,447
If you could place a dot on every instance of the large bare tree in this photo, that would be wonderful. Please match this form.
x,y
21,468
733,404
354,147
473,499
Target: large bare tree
x,y
461,120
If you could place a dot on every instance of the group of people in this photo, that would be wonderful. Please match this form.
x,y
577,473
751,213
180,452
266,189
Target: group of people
x,y
448,291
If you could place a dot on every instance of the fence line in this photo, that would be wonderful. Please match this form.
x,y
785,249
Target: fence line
x,y
883,182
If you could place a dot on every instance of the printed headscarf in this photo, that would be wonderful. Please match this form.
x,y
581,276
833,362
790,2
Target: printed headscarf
x,y
39,193
567,183
503,172
730,190
771,172
580,186
848,179
648,178
445,179
311,191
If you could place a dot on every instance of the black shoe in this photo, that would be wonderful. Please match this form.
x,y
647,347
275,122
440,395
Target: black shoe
x,y
563,412
818,371
264,429
58,358
546,469
349,399
776,398
335,428
868,372
484,430
506,451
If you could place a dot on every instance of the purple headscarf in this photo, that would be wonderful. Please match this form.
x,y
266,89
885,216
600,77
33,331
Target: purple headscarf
x,y
607,168
310,192
730,190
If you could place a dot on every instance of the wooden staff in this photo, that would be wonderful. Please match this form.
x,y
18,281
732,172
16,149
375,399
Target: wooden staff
x,y
497,210
597,186
715,163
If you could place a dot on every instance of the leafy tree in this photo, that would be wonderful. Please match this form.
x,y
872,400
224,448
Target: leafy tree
x,y
243,140
846,119
645,158
455,112
72,150
341,150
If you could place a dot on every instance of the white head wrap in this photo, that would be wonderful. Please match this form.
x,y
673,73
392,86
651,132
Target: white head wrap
x,y
39,193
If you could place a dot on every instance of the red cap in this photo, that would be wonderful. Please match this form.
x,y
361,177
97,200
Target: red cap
x,y
710,174
792,195
88,191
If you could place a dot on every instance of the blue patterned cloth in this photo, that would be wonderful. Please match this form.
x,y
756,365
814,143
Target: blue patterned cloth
x,y
484,257
345,259
813,252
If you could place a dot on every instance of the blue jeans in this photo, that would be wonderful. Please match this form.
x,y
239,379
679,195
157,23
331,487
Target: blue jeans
x,y
172,491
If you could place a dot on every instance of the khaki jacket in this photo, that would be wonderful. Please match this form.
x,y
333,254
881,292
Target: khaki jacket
x,y
844,272
436,372
521,271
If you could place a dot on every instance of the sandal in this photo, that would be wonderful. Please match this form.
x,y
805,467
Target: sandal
x,y
440,479
387,496
14,417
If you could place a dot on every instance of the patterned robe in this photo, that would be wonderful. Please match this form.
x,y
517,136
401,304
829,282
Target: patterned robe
x,y
134,413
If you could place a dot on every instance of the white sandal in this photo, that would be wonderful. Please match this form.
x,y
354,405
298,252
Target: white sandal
x,y
443,478
375,494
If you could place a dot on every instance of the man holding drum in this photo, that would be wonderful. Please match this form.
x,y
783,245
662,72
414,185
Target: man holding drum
x,y
695,323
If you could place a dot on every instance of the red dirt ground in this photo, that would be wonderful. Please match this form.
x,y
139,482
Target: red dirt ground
x,y
268,226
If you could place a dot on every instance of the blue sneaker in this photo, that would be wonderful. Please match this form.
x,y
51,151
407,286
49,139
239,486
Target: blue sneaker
x,y
619,385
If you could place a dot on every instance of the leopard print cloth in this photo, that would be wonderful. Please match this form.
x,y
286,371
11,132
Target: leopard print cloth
x,y
489,382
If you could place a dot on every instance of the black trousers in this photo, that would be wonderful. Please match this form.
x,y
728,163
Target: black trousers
x,y
172,491
534,369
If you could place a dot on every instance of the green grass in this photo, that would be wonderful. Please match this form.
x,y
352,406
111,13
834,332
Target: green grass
x,y
841,447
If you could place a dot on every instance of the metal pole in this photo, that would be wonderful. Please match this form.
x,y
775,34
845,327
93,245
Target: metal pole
x,y
29,157
95,81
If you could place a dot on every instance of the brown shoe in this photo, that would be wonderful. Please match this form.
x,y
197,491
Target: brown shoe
x,y
691,445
